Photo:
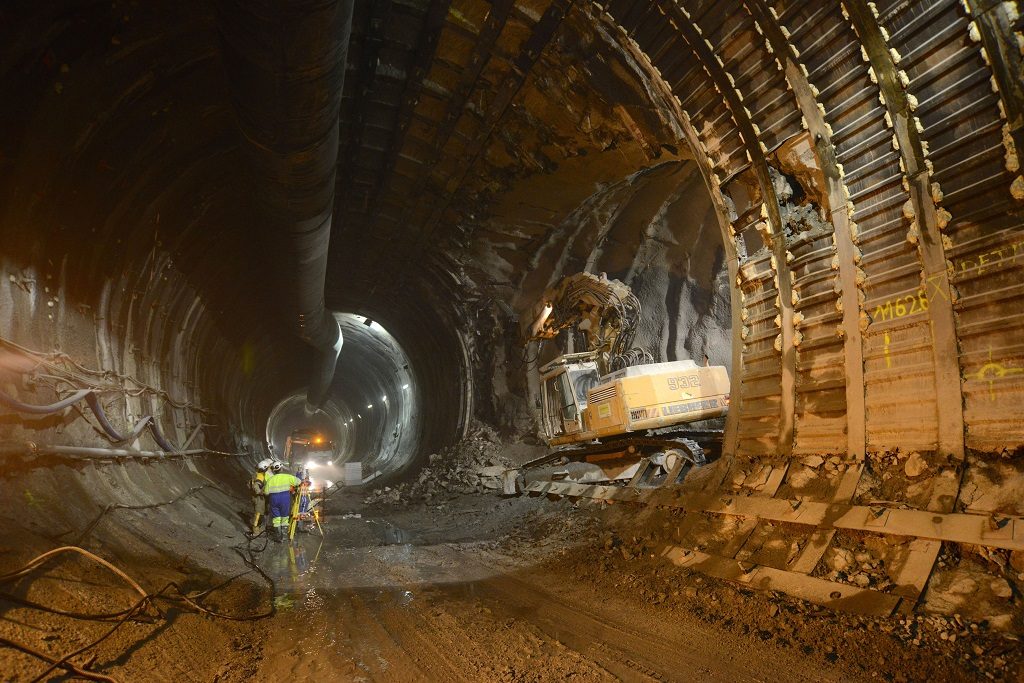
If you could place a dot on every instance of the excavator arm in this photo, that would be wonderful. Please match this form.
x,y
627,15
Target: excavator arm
x,y
603,313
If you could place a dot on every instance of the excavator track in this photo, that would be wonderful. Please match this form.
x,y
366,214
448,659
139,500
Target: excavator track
x,y
640,445
634,459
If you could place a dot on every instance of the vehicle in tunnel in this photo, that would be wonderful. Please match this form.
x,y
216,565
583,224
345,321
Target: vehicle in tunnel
x,y
610,412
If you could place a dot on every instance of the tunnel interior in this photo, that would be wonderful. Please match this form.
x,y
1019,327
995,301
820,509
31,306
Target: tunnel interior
x,y
238,221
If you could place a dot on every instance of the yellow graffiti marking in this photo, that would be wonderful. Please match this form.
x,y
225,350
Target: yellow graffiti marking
x,y
984,262
901,306
991,370
888,360
934,281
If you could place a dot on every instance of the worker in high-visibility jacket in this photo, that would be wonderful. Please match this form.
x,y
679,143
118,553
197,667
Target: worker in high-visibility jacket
x,y
279,487
259,496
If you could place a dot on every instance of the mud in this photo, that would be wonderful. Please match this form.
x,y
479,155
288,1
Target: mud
x,y
473,586
485,588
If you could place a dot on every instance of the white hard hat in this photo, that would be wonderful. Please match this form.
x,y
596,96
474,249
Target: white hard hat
x,y
277,466
264,464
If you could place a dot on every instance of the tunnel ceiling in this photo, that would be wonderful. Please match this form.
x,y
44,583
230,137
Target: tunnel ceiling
x,y
862,157
858,163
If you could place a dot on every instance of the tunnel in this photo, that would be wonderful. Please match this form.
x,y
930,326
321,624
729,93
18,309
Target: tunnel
x,y
318,234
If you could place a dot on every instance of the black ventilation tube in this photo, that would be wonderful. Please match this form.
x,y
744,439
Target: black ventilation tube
x,y
285,62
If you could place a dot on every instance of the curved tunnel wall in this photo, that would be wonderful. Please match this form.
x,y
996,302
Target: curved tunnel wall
x,y
914,229
891,322
853,305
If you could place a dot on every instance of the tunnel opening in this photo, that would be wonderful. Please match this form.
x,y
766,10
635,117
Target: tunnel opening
x,y
372,420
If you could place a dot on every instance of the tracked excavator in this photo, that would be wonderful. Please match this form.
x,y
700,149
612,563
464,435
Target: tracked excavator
x,y
610,413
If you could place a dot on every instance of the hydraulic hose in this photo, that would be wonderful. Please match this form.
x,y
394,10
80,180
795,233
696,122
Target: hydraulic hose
x,y
92,399
48,409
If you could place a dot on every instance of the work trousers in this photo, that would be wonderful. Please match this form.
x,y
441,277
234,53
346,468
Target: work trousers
x,y
259,512
280,507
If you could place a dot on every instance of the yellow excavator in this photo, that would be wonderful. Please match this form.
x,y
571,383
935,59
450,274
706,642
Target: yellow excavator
x,y
609,411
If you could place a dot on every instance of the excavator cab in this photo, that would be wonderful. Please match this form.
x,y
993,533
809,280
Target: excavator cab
x,y
564,396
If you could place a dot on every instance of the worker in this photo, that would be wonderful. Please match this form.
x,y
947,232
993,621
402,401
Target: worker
x,y
303,516
259,496
279,487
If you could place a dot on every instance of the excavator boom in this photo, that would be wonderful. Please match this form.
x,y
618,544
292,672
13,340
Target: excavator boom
x,y
609,409
599,313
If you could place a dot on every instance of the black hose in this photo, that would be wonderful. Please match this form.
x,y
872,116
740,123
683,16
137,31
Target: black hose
x,y
48,409
93,401
285,61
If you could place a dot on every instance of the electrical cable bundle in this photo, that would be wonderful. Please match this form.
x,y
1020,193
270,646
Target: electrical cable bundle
x,y
92,399
90,394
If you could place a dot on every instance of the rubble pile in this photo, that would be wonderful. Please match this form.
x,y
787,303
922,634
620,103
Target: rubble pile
x,y
858,568
466,467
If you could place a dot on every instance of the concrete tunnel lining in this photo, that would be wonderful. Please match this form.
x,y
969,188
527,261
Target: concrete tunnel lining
x,y
824,197
373,411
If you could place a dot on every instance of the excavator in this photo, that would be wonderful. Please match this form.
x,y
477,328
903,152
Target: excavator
x,y
609,412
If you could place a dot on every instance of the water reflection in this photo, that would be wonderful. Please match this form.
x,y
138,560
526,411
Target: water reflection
x,y
375,557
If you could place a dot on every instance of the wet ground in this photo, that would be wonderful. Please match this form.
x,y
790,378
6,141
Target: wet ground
x,y
422,596
524,590
475,588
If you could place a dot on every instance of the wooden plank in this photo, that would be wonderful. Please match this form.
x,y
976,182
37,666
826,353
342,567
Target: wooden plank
x,y
837,596
771,487
913,575
848,483
820,540
812,553
992,531
740,538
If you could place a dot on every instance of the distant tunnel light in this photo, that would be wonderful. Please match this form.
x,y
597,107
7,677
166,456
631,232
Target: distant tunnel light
x,y
311,465
405,386
330,463
369,406
384,398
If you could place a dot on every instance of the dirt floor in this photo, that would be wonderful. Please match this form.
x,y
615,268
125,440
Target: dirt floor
x,y
473,587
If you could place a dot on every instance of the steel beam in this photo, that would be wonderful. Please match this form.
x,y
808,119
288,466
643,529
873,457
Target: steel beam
x,y
846,250
949,398
542,33
702,50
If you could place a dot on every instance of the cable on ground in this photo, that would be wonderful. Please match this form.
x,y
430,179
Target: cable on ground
x,y
181,597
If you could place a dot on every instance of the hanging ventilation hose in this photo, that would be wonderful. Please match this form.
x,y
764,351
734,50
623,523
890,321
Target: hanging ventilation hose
x,y
92,399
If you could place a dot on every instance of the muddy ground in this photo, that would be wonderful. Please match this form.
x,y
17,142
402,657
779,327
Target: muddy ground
x,y
470,587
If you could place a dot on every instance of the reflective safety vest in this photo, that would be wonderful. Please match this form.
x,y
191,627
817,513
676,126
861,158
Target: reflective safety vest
x,y
257,483
282,481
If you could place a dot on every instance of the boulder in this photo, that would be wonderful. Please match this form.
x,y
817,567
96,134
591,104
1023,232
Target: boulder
x,y
1017,560
842,559
915,465
1001,588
